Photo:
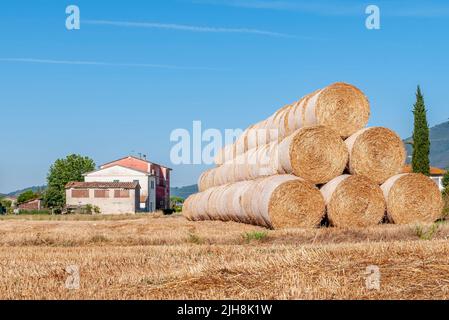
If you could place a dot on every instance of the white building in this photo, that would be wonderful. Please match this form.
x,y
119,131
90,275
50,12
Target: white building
x,y
117,173
109,197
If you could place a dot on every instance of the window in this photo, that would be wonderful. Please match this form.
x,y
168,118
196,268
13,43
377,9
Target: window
x,y
116,181
101,194
121,194
152,184
80,193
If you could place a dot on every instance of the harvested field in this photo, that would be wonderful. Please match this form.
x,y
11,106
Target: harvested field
x,y
172,258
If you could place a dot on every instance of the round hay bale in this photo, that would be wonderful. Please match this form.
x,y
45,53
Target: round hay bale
x,y
353,201
187,207
201,206
316,154
340,106
235,208
412,198
377,153
206,180
295,204
281,201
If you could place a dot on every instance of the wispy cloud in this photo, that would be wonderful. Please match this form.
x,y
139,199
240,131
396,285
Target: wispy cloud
x,y
190,28
332,8
392,8
98,63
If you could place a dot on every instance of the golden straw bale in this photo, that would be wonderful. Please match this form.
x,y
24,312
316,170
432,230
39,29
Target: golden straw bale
x,y
377,153
412,198
353,201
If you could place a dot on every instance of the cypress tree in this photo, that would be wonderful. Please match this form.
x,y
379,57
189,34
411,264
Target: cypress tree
x,y
421,139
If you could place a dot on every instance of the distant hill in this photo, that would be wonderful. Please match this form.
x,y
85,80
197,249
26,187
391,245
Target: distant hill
x,y
19,192
184,192
439,149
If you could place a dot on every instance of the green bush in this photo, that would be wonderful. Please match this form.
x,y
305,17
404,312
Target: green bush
x,y
90,209
446,205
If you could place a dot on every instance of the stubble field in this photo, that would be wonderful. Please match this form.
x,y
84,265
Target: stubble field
x,y
157,257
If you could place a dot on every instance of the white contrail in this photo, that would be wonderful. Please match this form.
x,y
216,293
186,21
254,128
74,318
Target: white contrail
x,y
97,63
181,27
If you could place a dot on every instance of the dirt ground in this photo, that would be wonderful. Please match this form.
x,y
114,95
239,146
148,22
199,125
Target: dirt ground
x,y
142,257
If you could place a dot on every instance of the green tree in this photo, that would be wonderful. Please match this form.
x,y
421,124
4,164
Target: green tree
x,y
27,196
62,172
175,199
421,139
6,203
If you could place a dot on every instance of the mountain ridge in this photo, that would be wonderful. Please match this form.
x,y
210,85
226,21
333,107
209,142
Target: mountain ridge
x,y
439,146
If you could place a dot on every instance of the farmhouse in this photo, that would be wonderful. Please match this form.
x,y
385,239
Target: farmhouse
x,y
109,197
118,173
153,181
160,173
436,174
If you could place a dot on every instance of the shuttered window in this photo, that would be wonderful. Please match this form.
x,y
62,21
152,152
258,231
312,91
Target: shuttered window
x,y
101,193
80,193
121,194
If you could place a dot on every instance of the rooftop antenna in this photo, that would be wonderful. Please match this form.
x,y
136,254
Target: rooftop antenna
x,y
140,155
145,157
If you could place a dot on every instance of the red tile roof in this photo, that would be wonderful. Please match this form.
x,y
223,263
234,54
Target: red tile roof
x,y
102,185
135,158
433,170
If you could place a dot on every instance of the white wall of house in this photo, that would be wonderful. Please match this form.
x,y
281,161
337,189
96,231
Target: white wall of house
x,y
439,181
110,205
122,174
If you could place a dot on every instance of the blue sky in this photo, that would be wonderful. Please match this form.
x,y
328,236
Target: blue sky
x,y
139,69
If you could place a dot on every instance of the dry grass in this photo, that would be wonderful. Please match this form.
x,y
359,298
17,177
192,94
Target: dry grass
x,y
171,258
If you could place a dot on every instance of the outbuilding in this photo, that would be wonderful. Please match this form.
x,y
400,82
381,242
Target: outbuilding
x,y
109,197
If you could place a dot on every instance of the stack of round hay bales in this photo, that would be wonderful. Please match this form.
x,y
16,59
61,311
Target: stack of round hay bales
x,y
271,175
